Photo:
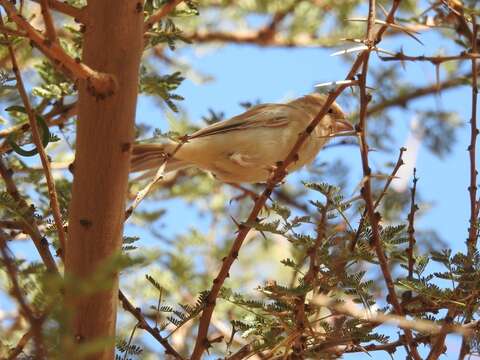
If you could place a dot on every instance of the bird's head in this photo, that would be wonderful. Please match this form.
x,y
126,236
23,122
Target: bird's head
x,y
335,119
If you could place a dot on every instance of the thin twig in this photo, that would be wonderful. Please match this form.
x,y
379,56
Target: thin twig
x,y
435,60
13,32
47,19
268,32
129,343
411,226
473,229
143,324
52,192
63,7
438,346
472,189
397,166
366,192
301,320
99,84
56,117
158,176
388,347
17,293
403,99
31,226
18,349
252,37
160,14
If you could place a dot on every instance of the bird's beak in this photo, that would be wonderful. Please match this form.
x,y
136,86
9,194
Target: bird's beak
x,y
341,125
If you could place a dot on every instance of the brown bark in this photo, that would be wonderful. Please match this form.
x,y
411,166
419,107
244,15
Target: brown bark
x,y
113,44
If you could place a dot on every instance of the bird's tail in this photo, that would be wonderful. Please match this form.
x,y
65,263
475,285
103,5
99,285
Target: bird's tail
x,y
151,156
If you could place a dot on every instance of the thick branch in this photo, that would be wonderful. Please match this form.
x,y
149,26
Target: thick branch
x,y
113,43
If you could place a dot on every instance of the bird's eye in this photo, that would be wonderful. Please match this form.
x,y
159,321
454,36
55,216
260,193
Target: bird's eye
x,y
330,111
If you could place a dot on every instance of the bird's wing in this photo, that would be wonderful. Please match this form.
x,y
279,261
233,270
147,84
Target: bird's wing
x,y
265,115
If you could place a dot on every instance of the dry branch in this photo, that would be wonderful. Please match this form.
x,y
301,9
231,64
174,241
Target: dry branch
x,y
143,324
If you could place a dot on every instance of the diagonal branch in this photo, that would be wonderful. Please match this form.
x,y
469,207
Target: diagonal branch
x,y
16,291
52,192
301,320
404,98
99,84
47,19
31,227
143,324
160,14
397,166
411,226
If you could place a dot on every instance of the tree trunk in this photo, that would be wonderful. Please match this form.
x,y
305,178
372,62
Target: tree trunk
x,y
113,44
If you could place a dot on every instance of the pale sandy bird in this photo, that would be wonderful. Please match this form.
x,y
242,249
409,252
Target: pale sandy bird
x,y
247,147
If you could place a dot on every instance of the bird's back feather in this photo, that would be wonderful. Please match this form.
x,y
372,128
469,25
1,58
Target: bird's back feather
x,y
150,156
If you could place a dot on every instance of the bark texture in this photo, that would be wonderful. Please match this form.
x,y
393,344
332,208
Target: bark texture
x,y
113,44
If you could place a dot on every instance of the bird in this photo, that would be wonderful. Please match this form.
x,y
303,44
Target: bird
x,y
248,147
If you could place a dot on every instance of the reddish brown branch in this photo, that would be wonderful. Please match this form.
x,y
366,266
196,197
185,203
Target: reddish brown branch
x,y
411,226
18,294
18,349
253,37
47,19
301,320
56,117
52,192
402,100
160,14
473,229
30,223
366,192
143,324
66,9
438,347
397,166
472,189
